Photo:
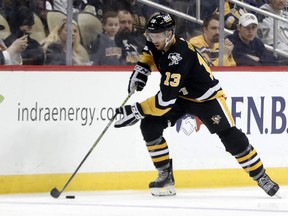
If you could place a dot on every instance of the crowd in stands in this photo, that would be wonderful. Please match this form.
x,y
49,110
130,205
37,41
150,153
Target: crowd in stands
x,y
122,35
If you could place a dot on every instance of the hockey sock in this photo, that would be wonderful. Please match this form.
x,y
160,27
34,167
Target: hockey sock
x,y
159,153
251,162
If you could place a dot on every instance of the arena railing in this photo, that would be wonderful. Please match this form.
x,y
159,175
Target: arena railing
x,y
221,21
275,17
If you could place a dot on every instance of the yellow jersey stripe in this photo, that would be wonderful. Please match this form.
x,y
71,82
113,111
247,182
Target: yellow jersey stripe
x,y
149,107
226,110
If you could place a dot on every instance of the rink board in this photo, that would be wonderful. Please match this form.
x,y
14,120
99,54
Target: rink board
x,y
50,119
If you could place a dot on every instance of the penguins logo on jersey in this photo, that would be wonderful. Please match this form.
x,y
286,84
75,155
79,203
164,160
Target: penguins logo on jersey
x,y
175,58
216,119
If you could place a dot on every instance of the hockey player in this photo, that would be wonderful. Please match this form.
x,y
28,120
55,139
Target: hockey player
x,y
187,86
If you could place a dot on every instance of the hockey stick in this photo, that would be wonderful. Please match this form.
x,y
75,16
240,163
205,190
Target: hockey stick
x,y
55,193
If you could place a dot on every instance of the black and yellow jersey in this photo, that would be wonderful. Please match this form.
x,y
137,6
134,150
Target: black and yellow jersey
x,y
211,55
184,73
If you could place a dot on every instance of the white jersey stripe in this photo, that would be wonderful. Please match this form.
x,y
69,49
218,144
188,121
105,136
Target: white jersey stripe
x,y
164,103
210,92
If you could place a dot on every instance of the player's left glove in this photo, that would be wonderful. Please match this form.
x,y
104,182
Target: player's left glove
x,y
131,115
139,77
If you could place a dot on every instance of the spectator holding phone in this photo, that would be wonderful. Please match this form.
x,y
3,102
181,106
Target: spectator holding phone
x,y
21,25
12,55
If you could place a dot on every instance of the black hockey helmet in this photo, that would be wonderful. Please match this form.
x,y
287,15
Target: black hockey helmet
x,y
160,22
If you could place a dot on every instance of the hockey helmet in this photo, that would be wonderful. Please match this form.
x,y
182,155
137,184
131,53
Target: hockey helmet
x,y
160,22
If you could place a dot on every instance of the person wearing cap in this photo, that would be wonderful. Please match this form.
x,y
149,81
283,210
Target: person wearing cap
x,y
21,25
248,49
12,55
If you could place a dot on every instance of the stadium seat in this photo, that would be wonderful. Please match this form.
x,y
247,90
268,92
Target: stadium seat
x,y
6,32
53,18
38,29
89,27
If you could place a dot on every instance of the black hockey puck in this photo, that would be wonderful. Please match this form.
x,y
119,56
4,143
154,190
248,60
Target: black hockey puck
x,y
70,197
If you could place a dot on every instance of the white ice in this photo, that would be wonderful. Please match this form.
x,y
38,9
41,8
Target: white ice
x,y
197,202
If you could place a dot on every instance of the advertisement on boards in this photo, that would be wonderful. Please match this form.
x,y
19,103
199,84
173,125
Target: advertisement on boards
x,y
52,119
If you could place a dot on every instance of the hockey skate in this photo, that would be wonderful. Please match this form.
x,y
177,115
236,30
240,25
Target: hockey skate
x,y
270,187
164,184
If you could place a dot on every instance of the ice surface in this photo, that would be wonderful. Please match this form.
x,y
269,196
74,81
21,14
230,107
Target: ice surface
x,y
197,202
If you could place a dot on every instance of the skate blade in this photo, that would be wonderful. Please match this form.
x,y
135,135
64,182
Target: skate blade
x,y
278,195
165,191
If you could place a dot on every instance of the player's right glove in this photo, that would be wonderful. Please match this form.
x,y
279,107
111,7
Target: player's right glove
x,y
139,77
131,114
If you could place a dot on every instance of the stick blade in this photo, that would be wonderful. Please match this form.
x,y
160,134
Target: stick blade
x,y
55,193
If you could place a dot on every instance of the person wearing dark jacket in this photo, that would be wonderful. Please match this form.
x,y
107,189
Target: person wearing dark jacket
x,y
248,49
131,42
137,10
103,50
12,55
23,20
55,46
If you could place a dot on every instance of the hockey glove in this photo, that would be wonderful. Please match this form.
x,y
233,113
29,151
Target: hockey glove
x,y
131,115
139,77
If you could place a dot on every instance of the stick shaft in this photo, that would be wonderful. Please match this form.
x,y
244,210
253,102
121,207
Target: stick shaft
x,y
95,143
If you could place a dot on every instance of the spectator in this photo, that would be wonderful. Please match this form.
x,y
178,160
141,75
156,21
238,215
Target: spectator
x,y
266,26
255,3
55,46
12,54
130,41
41,8
104,50
61,5
207,9
48,4
233,14
100,7
22,23
9,8
137,11
208,43
248,49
